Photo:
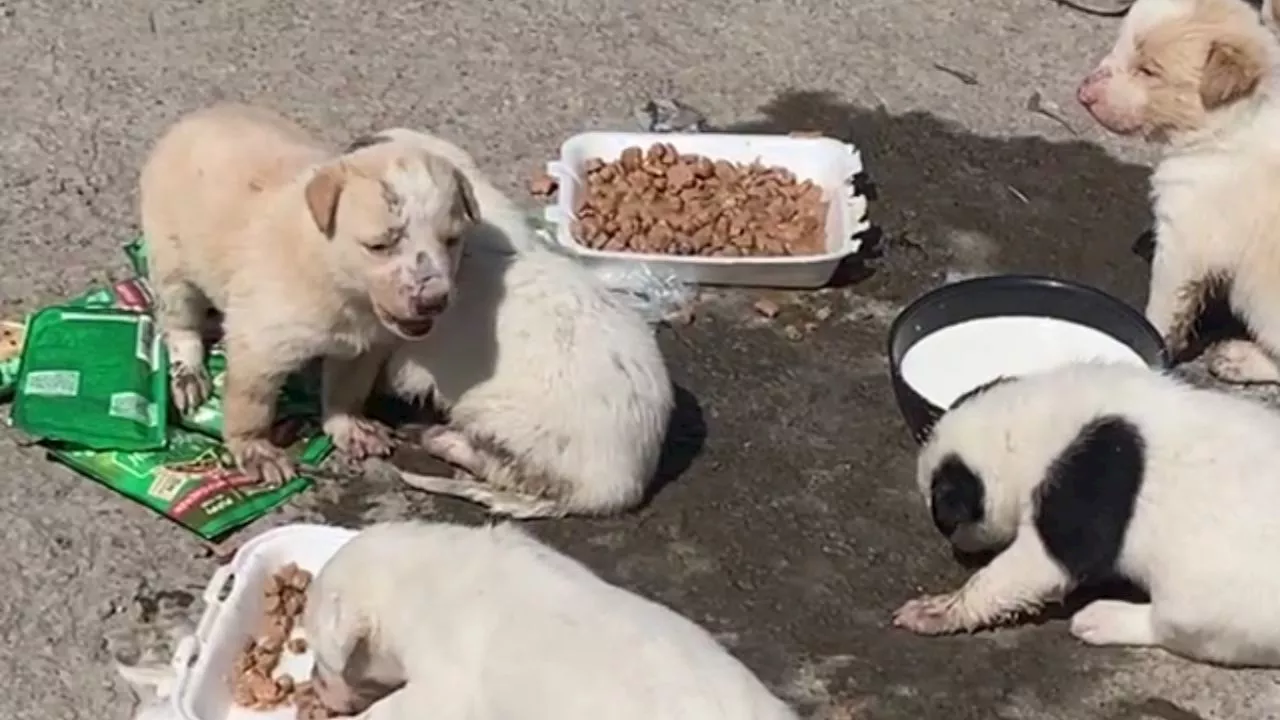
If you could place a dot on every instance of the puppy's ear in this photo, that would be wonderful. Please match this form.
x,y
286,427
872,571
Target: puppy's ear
x,y
365,141
336,631
323,192
956,495
467,206
1232,70
445,175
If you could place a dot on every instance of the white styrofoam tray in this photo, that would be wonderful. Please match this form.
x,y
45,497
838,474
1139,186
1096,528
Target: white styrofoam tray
x,y
829,163
203,661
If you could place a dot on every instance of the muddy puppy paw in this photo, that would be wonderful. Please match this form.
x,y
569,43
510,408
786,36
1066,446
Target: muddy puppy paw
x,y
1243,363
190,386
930,615
262,461
358,437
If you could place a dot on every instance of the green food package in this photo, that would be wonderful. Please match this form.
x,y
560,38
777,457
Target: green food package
x,y
96,377
193,482
128,294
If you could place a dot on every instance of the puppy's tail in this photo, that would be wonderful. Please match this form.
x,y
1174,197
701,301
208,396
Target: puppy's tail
x,y
506,503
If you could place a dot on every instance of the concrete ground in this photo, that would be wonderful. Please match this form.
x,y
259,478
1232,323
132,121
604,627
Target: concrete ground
x,y
791,527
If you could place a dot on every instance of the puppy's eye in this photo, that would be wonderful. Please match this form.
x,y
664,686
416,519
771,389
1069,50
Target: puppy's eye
x,y
386,242
452,240
1146,71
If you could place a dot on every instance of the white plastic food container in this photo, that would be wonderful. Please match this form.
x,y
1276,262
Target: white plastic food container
x,y
829,163
203,662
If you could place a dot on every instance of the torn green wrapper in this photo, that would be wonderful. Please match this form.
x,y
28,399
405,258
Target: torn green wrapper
x,y
193,481
96,377
128,295
191,477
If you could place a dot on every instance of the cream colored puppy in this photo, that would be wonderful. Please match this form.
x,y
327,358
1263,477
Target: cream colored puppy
x,y
306,253
487,623
1199,78
556,394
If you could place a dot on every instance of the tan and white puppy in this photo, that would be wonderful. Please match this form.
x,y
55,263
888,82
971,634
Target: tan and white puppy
x,y
1199,78
306,253
1098,471
556,394
488,623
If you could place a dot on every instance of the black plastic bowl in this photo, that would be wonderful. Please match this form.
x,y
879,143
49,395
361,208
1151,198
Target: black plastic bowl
x,y
1003,296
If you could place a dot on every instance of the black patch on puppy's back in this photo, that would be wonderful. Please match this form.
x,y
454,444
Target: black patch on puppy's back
x,y
1086,502
957,495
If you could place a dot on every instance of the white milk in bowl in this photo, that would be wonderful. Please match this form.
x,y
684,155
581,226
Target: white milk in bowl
x,y
953,360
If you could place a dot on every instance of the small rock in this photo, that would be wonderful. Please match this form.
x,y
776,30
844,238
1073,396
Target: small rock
x,y
767,308
684,316
793,333
822,314
669,115
810,327
107,609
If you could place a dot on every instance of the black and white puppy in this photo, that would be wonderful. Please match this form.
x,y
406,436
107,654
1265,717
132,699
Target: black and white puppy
x,y
1097,471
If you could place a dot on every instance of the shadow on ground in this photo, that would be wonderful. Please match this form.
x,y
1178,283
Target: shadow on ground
x,y
794,529
969,203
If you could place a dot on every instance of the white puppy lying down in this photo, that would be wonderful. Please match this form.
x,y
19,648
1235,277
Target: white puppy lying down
x,y
1095,471
557,395
487,623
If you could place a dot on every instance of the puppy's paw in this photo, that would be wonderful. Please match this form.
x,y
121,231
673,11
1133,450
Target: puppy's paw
x,y
359,437
262,461
1243,362
931,615
523,507
1114,622
189,385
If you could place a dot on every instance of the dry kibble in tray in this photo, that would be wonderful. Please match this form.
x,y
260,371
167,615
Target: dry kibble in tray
x,y
659,201
254,682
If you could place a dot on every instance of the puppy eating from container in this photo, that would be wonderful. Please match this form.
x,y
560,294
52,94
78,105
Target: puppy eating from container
x,y
556,394
1100,471
1198,78
307,254
487,623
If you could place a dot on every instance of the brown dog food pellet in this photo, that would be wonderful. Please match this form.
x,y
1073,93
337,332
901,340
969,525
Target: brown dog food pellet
x,y
253,685
301,580
767,308
659,201
309,707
